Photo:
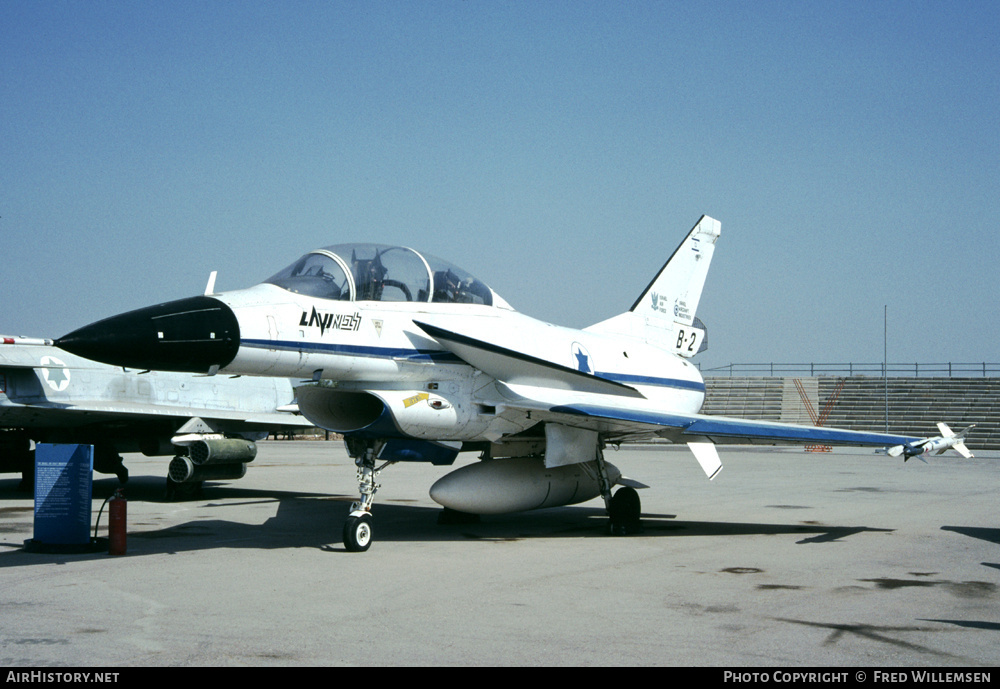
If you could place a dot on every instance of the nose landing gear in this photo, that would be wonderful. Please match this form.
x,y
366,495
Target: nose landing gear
x,y
358,533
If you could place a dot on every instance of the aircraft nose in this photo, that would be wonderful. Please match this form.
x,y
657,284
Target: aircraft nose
x,y
194,334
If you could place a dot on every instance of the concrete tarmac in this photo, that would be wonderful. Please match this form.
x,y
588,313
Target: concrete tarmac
x,y
786,559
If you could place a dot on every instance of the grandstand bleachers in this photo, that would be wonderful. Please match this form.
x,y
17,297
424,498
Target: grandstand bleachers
x,y
915,405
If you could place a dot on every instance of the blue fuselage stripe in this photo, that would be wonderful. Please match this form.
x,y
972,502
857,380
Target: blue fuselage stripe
x,y
436,355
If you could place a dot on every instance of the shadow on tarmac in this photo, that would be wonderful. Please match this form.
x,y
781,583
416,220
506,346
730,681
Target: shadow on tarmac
x,y
315,520
989,535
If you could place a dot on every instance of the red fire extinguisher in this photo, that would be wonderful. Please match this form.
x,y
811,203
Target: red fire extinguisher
x,y
116,523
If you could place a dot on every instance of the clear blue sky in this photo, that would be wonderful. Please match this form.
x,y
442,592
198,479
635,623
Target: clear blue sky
x,y
557,150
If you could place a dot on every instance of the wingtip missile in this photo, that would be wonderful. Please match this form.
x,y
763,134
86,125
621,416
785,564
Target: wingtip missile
x,y
947,440
22,340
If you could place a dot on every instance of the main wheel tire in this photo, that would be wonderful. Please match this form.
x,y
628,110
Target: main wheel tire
x,y
625,511
358,533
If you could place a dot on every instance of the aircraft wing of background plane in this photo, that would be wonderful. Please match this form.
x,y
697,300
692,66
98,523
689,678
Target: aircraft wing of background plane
x,y
98,410
108,394
50,395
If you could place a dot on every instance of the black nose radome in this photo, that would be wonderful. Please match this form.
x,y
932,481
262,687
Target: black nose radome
x,y
195,334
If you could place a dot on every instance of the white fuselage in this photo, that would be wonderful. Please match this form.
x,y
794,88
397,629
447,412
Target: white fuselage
x,y
377,347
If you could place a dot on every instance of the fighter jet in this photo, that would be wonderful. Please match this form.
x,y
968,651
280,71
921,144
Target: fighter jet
x,y
415,359
208,424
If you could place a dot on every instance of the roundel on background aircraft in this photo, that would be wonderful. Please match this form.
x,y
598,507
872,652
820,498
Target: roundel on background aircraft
x,y
55,372
377,272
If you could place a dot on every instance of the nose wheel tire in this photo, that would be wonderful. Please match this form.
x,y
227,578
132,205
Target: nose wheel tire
x,y
358,533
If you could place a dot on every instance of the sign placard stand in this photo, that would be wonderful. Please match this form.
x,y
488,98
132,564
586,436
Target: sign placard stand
x,y
63,499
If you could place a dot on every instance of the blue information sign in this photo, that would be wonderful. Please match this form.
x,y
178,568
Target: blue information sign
x,y
63,483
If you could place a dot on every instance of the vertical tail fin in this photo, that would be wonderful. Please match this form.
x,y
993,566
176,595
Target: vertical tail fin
x,y
664,314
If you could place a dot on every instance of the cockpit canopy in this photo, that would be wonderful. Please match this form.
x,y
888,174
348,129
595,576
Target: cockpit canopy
x,y
376,272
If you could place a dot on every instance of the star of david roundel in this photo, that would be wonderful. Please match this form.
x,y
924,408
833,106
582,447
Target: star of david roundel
x,y
581,358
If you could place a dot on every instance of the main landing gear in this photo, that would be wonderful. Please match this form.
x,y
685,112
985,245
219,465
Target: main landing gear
x,y
624,507
358,532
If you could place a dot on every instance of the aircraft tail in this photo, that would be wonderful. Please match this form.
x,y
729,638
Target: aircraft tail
x,y
664,314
